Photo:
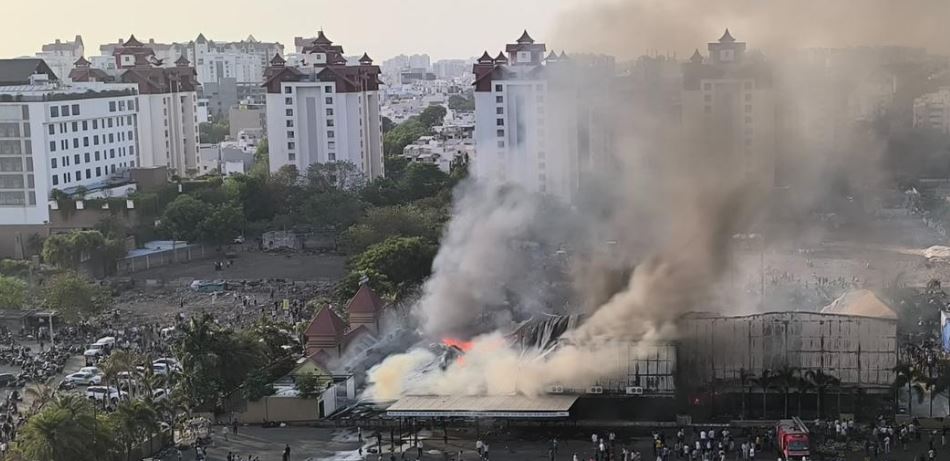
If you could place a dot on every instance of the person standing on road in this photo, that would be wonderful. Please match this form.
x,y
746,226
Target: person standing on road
x,y
287,452
234,426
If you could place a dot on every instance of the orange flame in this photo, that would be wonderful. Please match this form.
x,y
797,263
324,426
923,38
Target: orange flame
x,y
465,346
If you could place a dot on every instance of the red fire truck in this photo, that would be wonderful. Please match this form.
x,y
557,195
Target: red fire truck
x,y
791,437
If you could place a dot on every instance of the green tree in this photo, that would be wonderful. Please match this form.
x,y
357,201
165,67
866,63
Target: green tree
x,y
387,125
134,422
786,378
381,223
821,382
432,116
334,209
403,262
12,293
213,132
461,103
66,430
258,386
222,225
310,385
402,135
182,216
261,166
74,297
68,250
766,380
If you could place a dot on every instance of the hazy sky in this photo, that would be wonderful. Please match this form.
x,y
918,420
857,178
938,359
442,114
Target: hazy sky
x,y
383,28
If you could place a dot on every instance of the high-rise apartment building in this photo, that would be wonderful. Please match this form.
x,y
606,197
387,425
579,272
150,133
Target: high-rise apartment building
x,y
728,107
539,119
324,110
60,55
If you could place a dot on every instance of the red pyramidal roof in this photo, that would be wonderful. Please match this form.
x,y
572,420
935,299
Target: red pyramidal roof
x,y
364,301
325,323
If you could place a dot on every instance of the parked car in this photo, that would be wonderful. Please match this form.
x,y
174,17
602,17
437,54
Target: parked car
x,y
160,394
100,393
96,350
7,379
171,363
81,378
93,370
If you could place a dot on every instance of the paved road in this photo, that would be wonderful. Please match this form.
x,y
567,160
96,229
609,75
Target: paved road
x,y
314,444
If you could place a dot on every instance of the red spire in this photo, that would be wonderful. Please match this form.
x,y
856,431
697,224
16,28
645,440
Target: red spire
x,y
277,61
325,323
366,60
322,39
525,38
501,58
132,41
364,301
485,59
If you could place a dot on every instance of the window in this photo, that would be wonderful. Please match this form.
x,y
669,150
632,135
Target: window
x,y
95,124
329,122
64,144
288,89
95,140
111,137
331,156
85,125
111,153
500,122
88,173
748,119
707,86
748,108
330,134
329,100
75,109
98,171
501,143
288,101
498,88
291,145
130,136
64,110
290,112
85,141
131,150
54,111
707,98
111,106
53,162
499,99
75,143
78,175
97,156
331,144
66,161
75,126
76,159
52,146
110,122
291,156
10,164
55,180
748,97
121,105
52,129
500,133
329,111
290,123
499,110
86,157
290,135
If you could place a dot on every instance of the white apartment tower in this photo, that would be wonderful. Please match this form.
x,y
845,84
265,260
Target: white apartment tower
x,y
324,110
59,136
167,105
536,120
60,55
728,106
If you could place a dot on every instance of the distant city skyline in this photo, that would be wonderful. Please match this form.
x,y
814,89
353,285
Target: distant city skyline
x,y
441,29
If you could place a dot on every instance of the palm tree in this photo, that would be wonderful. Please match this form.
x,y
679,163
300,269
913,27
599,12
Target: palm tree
x,y
821,382
785,378
803,385
765,380
905,375
39,396
135,421
61,432
745,378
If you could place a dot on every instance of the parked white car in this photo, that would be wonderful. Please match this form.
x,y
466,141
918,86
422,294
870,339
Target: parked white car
x,y
81,378
100,393
96,350
173,364
94,370
160,394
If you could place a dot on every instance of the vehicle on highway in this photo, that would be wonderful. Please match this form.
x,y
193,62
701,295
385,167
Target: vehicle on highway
x,y
81,378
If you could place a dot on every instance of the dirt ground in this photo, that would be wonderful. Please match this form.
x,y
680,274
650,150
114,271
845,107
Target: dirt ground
x,y
251,264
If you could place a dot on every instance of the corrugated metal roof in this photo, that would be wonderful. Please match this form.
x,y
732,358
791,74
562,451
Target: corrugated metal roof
x,y
511,406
